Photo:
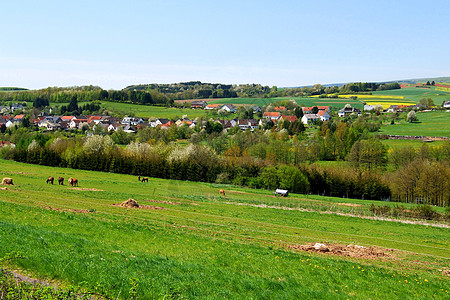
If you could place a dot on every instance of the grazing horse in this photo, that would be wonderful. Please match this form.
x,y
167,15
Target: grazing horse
x,y
50,179
7,181
222,192
144,179
73,181
61,180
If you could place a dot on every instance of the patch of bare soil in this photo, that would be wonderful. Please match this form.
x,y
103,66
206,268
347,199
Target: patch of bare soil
x,y
162,201
86,189
81,211
4,189
351,250
131,203
349,204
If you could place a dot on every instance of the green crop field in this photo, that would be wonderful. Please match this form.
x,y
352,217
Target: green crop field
x,y
415,94
434,123
189,242
304,101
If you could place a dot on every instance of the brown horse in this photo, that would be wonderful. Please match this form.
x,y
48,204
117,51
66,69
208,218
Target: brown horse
x,y
73,181
222,192
50,179
144,179
61,180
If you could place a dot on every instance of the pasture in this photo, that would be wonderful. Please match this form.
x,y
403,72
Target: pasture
x,y
433,123
146,111
190,242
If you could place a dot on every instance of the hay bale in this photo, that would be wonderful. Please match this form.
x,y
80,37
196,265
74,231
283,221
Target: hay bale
x,y
129,203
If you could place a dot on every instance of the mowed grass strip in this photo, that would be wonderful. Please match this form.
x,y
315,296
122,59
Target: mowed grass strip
x,y
202,245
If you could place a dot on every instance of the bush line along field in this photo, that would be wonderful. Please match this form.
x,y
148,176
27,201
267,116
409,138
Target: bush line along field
x,y
192,243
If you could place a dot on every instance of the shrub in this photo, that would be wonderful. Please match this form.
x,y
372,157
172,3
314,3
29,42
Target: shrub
x,y
425,212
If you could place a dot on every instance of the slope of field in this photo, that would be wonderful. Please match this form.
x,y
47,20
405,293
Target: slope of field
x,y
433,123
304,101
145,111
416,94
189,242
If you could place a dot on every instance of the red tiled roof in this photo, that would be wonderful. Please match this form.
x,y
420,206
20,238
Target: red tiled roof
x,y
290,118
271,114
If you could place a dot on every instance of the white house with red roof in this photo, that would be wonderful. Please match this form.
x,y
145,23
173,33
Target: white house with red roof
x,y
274,116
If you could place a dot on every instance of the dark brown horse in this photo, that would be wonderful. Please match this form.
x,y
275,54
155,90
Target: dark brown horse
x,y
73,181
50,179
61,180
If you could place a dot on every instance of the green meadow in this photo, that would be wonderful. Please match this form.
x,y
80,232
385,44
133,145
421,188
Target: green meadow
x,y
146,111
433,123
190,242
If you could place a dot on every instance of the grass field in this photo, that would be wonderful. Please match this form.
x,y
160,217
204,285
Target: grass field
x,y
304,101
434,123
145,111
202,245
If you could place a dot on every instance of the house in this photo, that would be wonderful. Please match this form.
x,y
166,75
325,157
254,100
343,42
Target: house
x,y
166,125
368,107
184,121
5,143
226,124
4,109
274,116
347,111
309,118
280,108
229,108
256,109
67,118
16,106
289,118
198,104
245,124
132,121
19,118
212,106
94,119
78,123
324,116
308,110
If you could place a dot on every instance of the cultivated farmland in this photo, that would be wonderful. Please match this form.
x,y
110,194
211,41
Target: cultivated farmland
x,y
189,242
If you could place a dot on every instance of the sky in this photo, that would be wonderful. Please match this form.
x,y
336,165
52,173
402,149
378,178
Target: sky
x,y
114,44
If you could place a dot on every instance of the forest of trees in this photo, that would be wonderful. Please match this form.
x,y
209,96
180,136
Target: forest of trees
x,y
165,94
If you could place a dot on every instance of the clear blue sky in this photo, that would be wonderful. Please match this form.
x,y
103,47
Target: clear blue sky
x,y
285,43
